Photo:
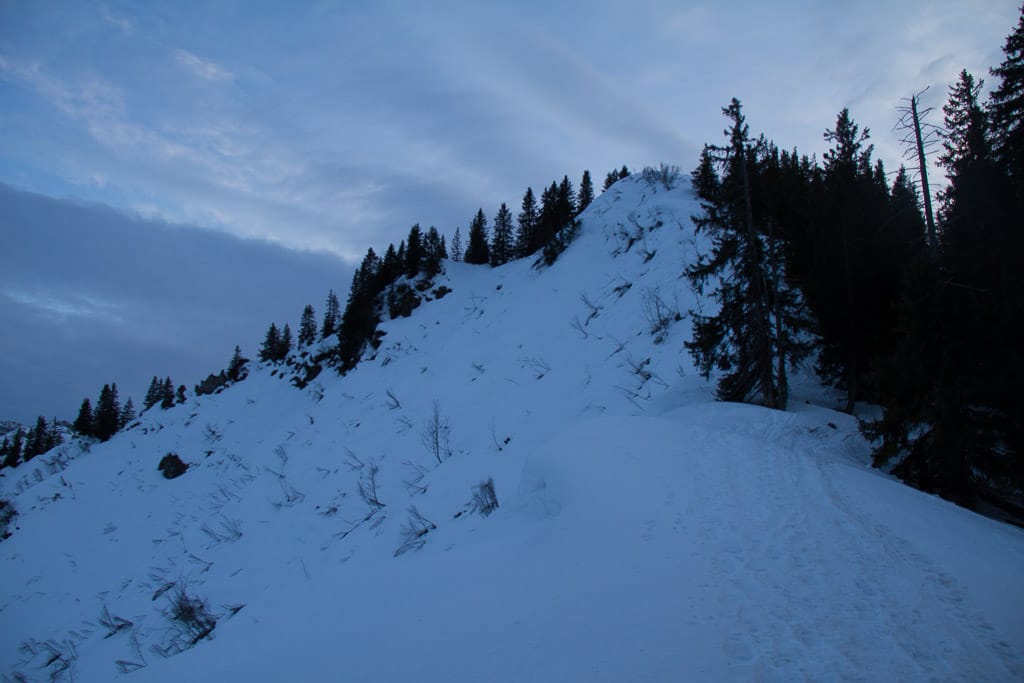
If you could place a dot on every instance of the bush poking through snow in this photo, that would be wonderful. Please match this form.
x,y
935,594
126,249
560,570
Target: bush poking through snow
x,y
659,313
113,623
172,466
414,531
485,501
666,175
7,515
191,621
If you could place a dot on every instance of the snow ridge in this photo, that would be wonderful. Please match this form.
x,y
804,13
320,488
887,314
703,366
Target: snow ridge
x,y
643,531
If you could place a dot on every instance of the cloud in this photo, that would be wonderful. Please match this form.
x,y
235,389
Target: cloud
x,y
90,295
202,68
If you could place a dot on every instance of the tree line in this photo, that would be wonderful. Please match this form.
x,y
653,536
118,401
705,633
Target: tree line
x,y
833,256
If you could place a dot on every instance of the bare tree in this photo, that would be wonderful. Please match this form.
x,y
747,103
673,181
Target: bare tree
x,y
414,530
436,435
368,488
920,137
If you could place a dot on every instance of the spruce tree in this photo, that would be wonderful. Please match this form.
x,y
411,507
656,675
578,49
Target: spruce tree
x,y
414,252
284,345
502,247
271,344
236,368
457,250
127,415
1006,108
755,336
362,314
307,327
14,451
167,394
586,193
83,423
477,252
332,316
434,251
153,394
528,219
107,413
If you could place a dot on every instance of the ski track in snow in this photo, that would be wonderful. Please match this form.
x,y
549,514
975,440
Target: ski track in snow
x,y
645,532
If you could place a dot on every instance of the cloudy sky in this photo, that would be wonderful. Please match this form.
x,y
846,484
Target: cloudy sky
x,y
288,137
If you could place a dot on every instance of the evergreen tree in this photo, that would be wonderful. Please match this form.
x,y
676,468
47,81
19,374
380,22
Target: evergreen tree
x,y
528,220
547,219
36,443
284,345
236,368
332,316
167,394
586,194
610,179
457,250
181,395
362,312
414,252
502,247
434,251
5,449
390,267
153,394
565,205
271,344
1006,107
755,336
14,451
477,252
307,327
83,423
105,417
127,415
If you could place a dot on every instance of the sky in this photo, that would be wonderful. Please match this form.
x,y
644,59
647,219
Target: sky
x,y
311,131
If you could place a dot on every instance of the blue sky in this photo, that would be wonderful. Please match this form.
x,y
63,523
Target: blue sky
x,y
334,126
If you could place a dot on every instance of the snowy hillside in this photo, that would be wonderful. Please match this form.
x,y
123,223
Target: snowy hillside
x,y
644,532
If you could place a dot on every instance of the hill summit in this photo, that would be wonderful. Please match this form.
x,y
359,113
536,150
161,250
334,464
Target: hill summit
x,y
525,478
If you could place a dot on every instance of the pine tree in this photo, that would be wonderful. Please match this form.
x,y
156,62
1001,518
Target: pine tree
x,y
434,251
307,327
414,252
284,345
236,368
586,194
167,394
501,237
477,252
127,415
565,205
1006,107
457,250
528,219
105,417
332,316
83,423
271,344
153,394
755,336
362,312
547,219
181,395
35,443
14,451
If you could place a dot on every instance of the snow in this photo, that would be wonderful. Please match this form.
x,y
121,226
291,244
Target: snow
x,y
645,532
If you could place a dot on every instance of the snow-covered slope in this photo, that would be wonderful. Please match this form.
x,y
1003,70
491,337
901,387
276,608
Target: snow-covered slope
x,y
645,532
